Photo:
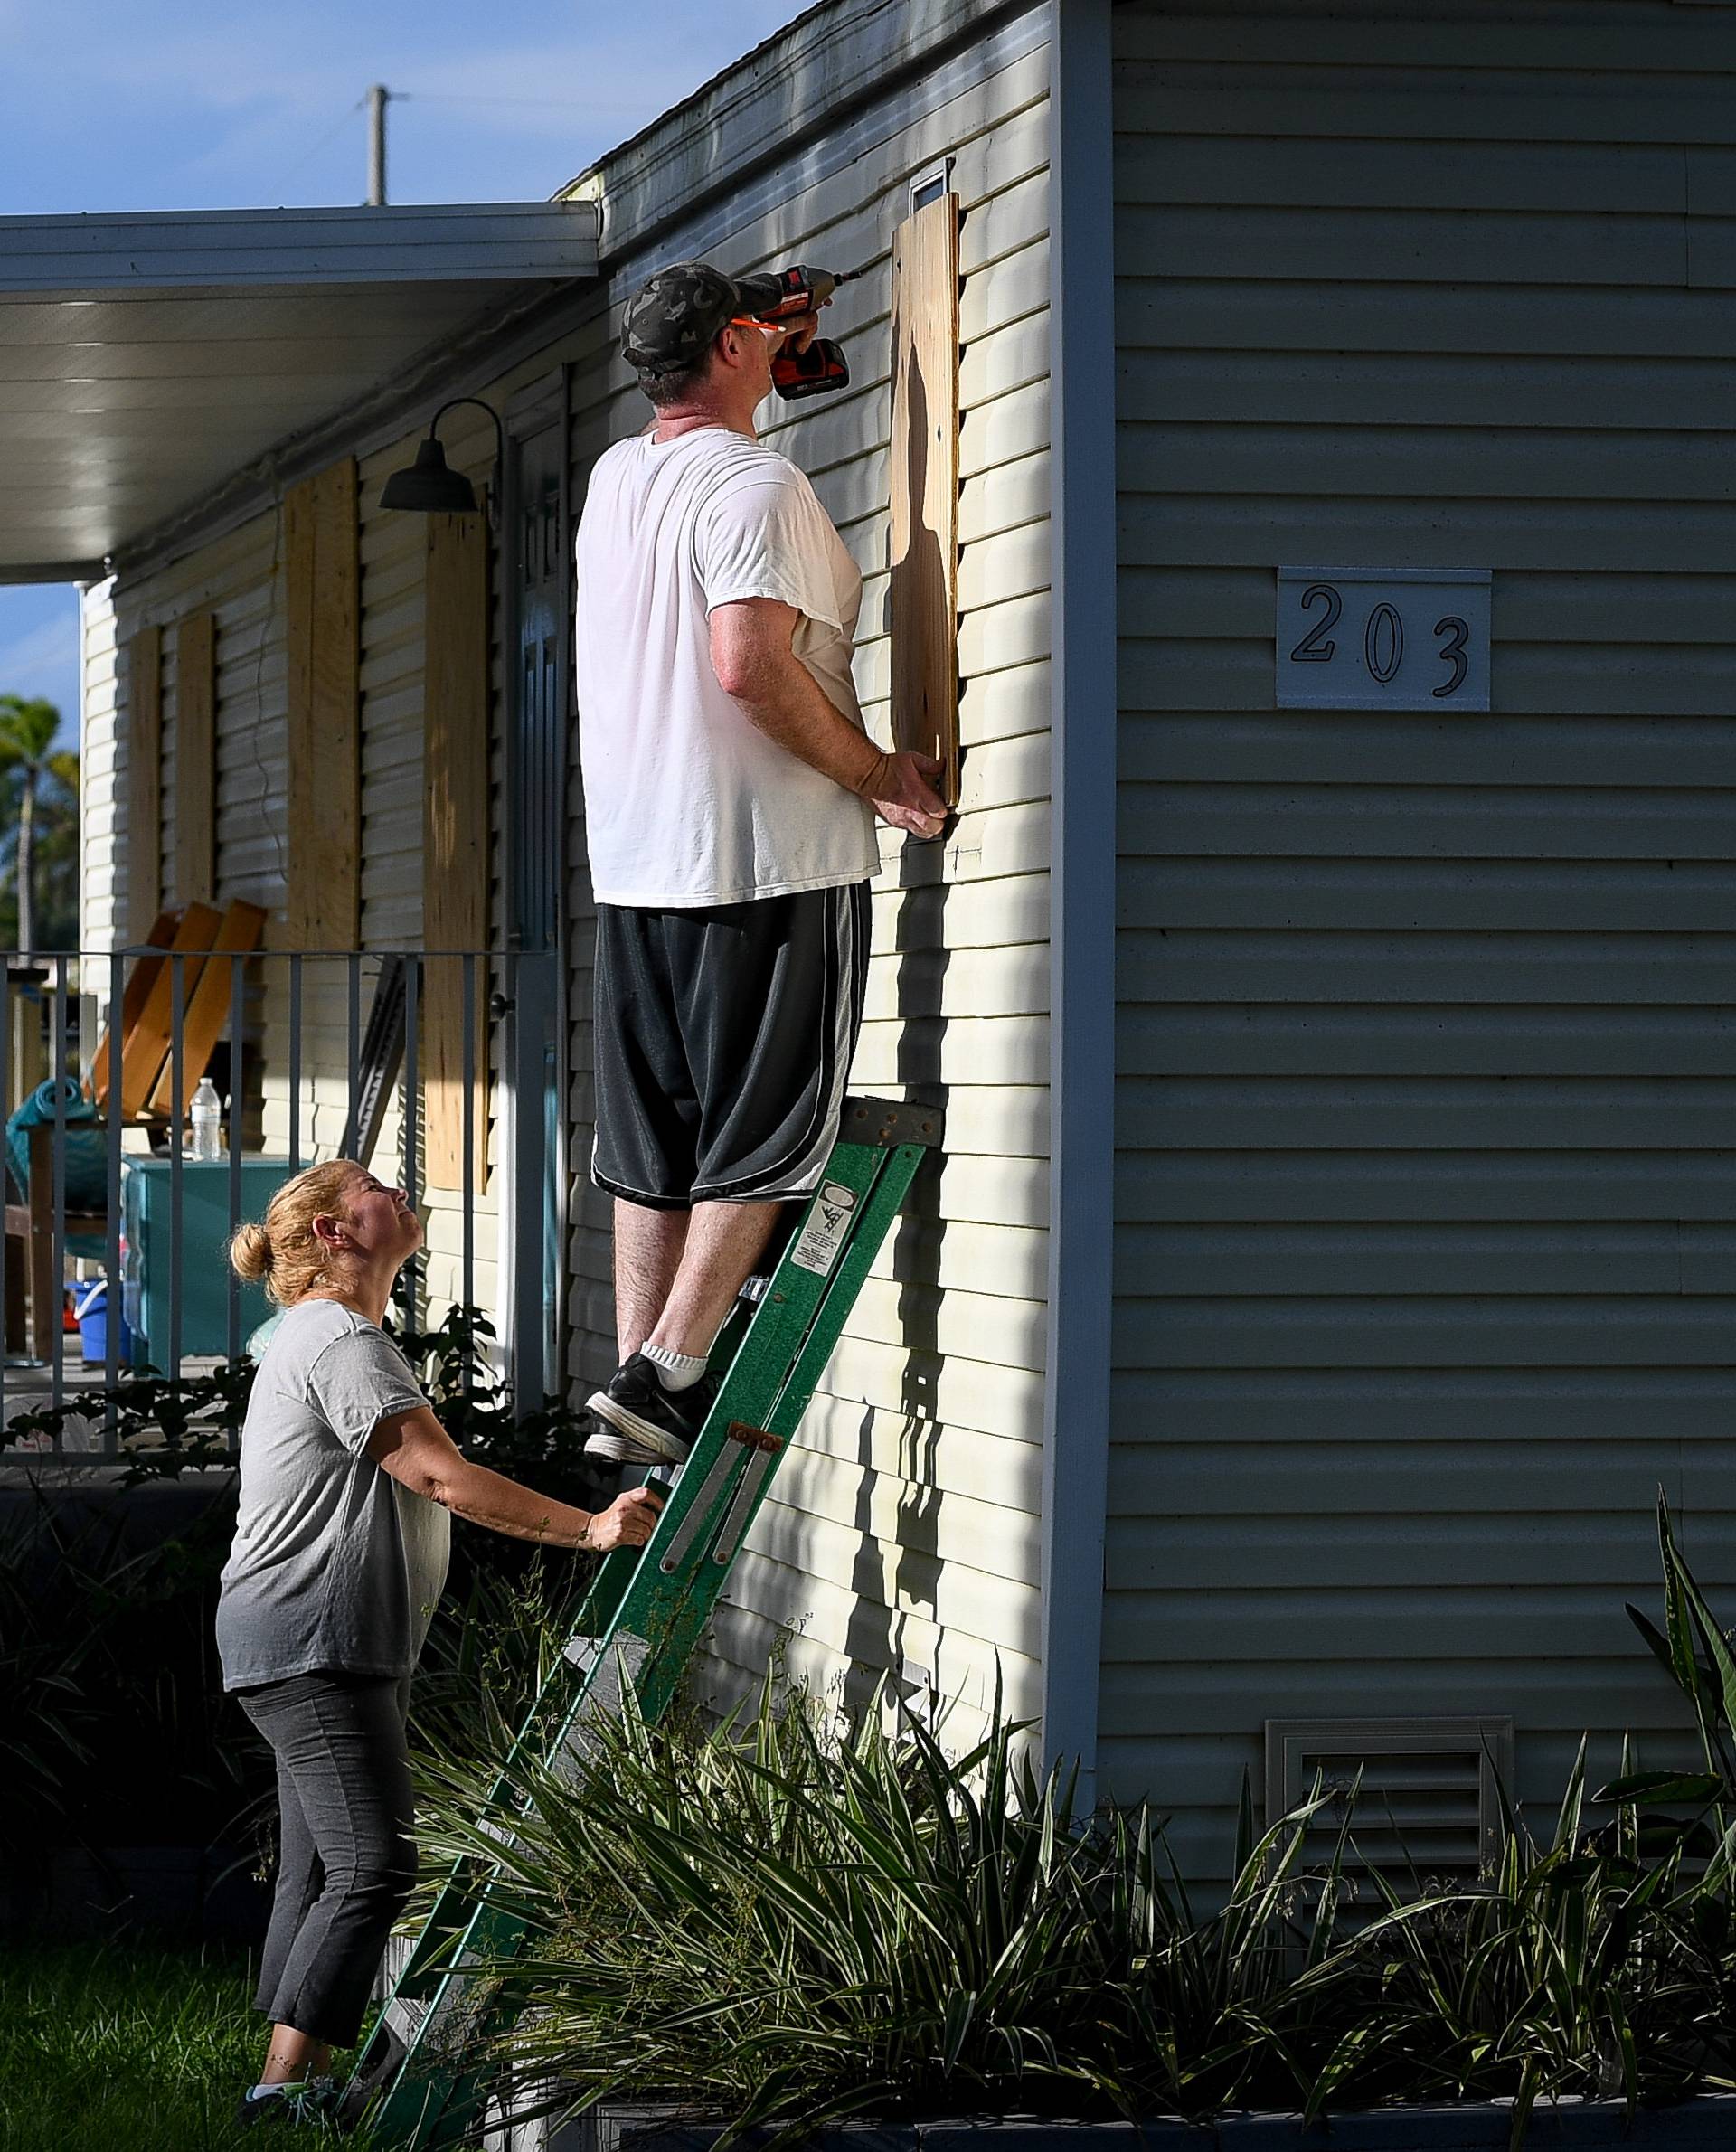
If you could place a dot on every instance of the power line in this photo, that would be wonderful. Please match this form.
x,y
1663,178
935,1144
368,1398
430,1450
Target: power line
x,y
544,104
324,141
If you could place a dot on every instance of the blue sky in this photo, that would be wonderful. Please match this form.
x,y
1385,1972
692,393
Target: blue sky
x,y
161,106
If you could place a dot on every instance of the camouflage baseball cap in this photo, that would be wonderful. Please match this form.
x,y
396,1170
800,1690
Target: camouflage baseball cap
x,y
672,319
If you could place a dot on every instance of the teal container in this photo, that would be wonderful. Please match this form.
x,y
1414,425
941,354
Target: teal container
x,y
147,1223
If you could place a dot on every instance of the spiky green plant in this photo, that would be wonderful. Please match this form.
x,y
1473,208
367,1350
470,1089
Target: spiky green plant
x,y
782,1921
796,1922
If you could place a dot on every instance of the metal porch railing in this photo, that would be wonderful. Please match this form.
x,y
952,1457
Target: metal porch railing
x,y
366,1055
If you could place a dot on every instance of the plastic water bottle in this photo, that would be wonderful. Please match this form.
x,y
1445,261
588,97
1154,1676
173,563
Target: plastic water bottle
x,y
206,1114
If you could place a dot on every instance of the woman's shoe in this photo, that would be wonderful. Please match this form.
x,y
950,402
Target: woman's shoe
x,y
311,2102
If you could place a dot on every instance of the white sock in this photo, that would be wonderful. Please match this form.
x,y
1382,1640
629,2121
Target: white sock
x,y
259,2091
675,1371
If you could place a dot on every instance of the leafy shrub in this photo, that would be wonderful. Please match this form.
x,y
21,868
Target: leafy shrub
x,y
819,1920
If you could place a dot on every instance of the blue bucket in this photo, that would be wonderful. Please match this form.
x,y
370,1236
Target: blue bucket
x,y
91,1313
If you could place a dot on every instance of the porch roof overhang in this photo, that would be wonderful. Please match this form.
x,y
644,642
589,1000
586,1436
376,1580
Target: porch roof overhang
x,y
147,357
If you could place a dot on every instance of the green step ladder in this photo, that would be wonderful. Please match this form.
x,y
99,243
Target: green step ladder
x,y
418,2077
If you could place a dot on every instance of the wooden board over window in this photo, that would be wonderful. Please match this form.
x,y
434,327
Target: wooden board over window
x,y
195,760
323,597
455,841
925,487
144,823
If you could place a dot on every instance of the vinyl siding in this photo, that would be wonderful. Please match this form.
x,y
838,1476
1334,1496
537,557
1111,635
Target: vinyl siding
x,y
102,772
902,1531
1425,1243
241,578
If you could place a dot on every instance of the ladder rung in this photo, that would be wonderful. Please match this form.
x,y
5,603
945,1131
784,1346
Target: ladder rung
x,y
699,1509
759,1466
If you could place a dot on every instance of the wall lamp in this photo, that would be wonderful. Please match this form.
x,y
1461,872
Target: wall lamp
x,y
430,487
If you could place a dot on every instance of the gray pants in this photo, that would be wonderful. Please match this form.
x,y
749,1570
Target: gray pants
x,y
347,1855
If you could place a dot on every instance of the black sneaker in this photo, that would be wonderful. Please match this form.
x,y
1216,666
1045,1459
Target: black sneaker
x,y
646,1424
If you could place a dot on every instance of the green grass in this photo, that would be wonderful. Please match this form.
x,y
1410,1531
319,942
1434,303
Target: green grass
x,y
111,2048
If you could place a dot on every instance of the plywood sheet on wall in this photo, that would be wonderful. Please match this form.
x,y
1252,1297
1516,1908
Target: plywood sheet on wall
x,y
455,844
144,823
323,574
196,760
925,485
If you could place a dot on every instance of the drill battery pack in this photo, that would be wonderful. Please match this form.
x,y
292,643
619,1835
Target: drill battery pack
x,y
815,372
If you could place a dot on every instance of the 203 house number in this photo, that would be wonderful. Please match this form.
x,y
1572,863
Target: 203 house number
x,y
1383,638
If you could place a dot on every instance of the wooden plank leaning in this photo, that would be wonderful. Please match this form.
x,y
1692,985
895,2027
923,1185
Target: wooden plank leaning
x,y
205,1010
147,1045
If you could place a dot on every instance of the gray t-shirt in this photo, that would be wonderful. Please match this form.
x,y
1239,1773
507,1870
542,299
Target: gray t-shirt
x,y
336,1564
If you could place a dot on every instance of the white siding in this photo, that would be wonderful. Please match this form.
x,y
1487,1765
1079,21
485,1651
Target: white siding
x,y
903,1527
102,774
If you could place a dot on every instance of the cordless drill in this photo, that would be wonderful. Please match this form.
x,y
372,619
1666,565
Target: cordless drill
x,y
780,295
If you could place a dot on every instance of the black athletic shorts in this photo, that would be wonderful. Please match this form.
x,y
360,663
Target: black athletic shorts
x,y
723,1038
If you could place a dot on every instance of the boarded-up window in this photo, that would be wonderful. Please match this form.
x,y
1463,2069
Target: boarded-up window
x,y
195,760
455,839
925,487
323,568
143,828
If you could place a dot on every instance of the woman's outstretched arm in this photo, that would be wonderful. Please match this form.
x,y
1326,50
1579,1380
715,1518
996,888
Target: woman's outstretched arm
x,y
416,1450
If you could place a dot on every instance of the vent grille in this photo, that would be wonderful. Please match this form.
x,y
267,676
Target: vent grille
x,y
1427,1803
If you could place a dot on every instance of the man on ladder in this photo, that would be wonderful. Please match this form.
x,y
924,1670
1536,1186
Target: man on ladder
x,y
731,791
728,789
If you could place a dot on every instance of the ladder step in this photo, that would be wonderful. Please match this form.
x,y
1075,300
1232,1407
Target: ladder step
x,y
747,1494
698,1510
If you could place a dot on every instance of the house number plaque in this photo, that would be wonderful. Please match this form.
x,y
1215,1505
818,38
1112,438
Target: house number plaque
x,y
1383,638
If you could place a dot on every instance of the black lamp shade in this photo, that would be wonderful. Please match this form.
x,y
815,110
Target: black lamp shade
x,y
428,486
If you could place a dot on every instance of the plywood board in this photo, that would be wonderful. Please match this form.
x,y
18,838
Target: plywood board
x,y
925,487
196,760
135,994
323,603
144,823
148,1042
455,840
206,1008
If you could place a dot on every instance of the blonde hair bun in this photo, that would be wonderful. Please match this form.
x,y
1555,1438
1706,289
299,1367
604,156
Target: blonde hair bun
x,y
250,1252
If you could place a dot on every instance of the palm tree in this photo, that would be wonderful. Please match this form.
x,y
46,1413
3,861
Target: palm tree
x,y
27,728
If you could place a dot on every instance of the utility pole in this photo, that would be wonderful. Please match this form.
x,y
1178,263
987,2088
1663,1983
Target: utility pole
x,y
377,97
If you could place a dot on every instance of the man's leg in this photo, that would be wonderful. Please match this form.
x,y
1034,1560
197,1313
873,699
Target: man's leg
x,y
649,1247
724,1242
766,997
652,1409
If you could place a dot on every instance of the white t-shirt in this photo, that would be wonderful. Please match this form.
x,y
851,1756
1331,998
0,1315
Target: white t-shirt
x,y
686,801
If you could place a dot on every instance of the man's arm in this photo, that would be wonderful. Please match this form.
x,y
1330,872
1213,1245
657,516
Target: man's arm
x,y
416,1450
755,664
